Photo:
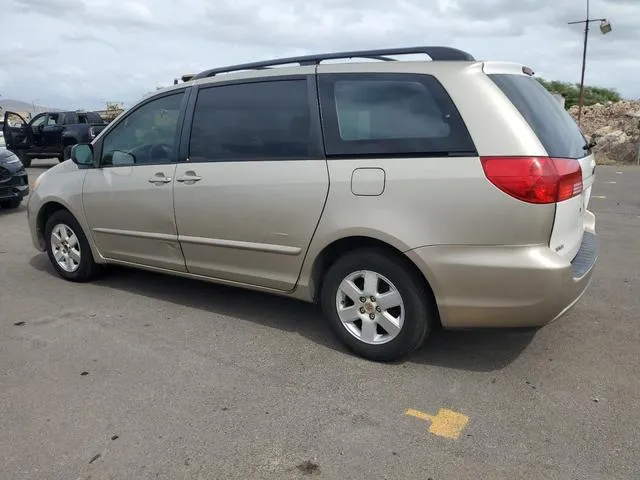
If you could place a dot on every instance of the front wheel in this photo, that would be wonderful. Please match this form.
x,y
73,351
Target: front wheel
x,y
68,248
377,305
24,159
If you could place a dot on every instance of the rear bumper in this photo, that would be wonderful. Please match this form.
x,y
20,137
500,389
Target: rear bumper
x,y
525,286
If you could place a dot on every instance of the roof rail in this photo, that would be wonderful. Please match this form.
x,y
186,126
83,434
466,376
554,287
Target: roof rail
x,y
436,54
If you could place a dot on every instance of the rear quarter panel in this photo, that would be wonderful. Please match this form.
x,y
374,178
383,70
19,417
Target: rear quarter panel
x,y
426,202
431,201
443,200
78,132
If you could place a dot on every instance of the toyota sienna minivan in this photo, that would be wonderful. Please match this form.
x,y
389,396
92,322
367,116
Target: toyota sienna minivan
x,y
398,195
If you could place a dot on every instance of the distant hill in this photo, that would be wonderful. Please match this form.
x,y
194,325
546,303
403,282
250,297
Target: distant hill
x,y
18,106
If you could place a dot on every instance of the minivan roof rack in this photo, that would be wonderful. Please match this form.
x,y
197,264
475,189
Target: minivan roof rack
x,y
436,53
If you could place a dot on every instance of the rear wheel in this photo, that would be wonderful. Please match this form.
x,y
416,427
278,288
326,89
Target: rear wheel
x,y
68,248
376,305
10,204
66,154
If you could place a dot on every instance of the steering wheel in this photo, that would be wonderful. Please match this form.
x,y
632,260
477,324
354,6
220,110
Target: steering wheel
x,y
161,150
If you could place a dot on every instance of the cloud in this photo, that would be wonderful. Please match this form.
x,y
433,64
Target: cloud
x,y
53,8
498,8
75,37
343,24
81,53
16,53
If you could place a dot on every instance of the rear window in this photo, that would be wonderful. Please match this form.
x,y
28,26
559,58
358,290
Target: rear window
x,y
556,130
390,114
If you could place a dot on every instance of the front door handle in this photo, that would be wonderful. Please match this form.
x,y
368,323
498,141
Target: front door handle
x,y
159,178
189,177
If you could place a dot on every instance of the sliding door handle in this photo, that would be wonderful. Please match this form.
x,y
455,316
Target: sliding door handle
x,y
189,177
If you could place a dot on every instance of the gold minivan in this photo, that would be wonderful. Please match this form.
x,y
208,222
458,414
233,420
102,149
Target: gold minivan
x,y
399,195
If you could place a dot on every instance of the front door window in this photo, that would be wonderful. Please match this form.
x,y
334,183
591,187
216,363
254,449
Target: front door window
x,y
148,136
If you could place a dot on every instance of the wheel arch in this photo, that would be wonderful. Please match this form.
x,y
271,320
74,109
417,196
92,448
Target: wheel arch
x,y
45,212
69,140
339,247
52,206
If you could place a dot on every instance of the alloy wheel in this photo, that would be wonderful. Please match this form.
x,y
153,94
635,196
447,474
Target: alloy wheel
x,y
370,307
65,247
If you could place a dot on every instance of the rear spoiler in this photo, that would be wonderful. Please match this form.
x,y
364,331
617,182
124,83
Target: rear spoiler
x,y
507,67
184,78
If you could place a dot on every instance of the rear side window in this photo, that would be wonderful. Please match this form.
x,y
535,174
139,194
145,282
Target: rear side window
x,y
390,114
556,130
252,121
69,118
92,117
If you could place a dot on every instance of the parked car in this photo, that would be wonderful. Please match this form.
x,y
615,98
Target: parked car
x,y
397,195
14,182
49,134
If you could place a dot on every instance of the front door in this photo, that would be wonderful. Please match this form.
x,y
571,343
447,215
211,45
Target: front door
x,y
52,134
250,197
128,199
15,131
36,125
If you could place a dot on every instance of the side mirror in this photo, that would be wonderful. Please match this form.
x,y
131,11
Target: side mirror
x,y
82,154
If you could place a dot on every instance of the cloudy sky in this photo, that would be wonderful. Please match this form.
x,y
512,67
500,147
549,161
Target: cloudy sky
x,y
82,53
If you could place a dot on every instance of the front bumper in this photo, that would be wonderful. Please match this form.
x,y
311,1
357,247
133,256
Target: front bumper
x,y
508,286
15,187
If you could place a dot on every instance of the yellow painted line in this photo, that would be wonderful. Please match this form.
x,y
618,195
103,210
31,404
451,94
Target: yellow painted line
x,y
418,414
446,423
598,196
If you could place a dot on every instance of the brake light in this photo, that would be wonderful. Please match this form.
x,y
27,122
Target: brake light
x,y
535,179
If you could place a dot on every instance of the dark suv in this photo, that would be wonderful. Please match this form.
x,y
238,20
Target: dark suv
x,y
49,134
14,183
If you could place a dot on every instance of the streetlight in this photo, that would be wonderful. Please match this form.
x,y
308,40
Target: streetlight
x,y
605,27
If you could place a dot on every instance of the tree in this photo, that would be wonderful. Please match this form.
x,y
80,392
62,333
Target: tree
x,y
113,110
571,93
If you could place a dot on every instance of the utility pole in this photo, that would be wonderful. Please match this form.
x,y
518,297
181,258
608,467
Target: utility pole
x,y
605,27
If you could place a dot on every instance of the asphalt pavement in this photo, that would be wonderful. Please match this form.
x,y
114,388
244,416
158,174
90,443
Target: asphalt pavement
x,y
142,376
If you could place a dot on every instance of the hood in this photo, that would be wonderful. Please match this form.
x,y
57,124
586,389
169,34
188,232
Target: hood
x,y
9,160
5,155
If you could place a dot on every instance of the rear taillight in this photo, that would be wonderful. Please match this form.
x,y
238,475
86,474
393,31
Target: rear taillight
x,y
535,179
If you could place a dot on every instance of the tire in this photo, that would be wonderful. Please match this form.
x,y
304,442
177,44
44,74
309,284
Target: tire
x,y
10,204
66,154
70,246
24,159
411,320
